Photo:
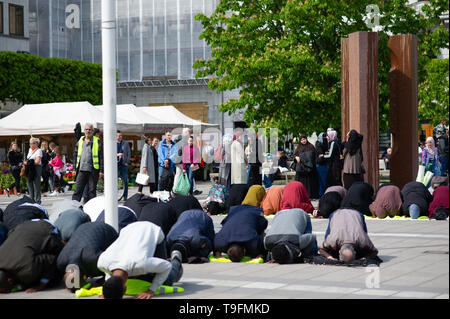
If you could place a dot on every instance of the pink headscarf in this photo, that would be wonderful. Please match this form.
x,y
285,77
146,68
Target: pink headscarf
x,y
332,135
431,150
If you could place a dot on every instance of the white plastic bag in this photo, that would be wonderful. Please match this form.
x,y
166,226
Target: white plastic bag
x,y
428,176
420,173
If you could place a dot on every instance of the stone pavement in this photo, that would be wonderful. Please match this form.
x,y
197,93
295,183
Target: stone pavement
x,y
415,255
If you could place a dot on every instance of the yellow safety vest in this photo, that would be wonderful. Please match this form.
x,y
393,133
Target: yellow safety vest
x,y
95,159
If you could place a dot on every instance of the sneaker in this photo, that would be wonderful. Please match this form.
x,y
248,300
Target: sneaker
x,y
197,192
66,188
55,193
176,254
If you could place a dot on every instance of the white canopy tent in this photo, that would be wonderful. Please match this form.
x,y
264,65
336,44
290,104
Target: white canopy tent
x,y
170,118
49,118
61,118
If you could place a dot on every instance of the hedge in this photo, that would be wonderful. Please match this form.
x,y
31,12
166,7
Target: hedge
x,y
29,79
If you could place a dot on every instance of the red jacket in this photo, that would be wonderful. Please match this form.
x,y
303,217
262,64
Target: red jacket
x,y
440,198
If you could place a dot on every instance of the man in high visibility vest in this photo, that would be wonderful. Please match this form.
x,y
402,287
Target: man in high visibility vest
x,y
88,155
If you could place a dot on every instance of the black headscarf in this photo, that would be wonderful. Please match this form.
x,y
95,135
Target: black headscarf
x,y
304,147
359,197
354,142
328,203
237,195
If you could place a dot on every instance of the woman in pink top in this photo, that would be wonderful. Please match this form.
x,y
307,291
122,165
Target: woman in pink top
x,y
57,164
191,161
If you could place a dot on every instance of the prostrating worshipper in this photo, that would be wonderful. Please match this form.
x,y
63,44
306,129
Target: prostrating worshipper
x,y
296,196
272,200
69,220
290,237
192,235
138,201
328,203
160,214
134,254
359,197
84,248
28,257
241,233
181,203
254,196
125,214
440,203
416,199
237,195
339,189
388,202
23,210
346,238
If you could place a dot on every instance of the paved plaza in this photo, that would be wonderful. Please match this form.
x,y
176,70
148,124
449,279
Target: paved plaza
x,y
415,265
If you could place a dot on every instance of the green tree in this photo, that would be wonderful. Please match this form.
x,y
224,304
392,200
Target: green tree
x,y
30,79
284,55
433,92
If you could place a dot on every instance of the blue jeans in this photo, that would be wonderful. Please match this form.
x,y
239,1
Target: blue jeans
x,y
322,170
190,175
123,174
444,165
414,211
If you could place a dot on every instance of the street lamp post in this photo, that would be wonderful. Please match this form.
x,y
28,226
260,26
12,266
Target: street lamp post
x,y
109,105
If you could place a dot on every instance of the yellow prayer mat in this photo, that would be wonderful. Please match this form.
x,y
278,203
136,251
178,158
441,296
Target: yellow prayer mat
x,y
134,287
395,217
246,259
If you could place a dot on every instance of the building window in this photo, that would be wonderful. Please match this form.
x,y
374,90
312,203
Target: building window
x,y
1,17
15,20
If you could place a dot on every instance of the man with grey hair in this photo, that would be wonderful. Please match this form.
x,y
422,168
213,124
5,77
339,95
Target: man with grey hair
x,y
88,158
346,237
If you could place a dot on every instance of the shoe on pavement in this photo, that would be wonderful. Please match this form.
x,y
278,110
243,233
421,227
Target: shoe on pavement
x,y
66,188
197,192
55,193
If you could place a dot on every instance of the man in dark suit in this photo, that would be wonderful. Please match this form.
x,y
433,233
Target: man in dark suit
x,y
85,246
28,256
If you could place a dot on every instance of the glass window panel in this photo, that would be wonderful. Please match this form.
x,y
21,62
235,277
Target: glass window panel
x,y
122,39
147,37
135,41
15,20
1,17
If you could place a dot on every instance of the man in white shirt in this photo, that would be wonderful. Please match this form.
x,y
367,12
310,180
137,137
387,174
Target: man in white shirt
x,y
133,254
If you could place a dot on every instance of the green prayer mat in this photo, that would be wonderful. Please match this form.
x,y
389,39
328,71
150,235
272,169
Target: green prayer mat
x,y
134,287
246,259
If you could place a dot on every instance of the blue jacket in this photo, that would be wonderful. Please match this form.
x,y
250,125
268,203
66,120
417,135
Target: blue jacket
x,y
196,228
244,224
164,153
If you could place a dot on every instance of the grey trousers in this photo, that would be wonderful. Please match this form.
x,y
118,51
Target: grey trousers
x,y
34,185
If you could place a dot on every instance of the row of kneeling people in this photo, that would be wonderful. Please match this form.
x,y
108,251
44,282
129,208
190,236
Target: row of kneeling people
x,y
155,238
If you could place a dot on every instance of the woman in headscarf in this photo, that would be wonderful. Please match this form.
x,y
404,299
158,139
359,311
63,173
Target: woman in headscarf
x,y
334,159
321,162
272,200
295,195
387,202
353,159
254,196
328,203
306,172
237,195
440,199
430,158
359,197
416,199
339,189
